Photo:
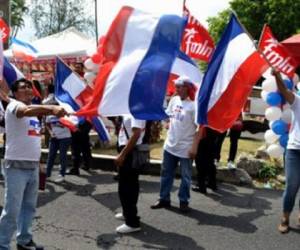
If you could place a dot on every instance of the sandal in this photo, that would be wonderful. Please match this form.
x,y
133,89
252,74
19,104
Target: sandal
x,y
284,226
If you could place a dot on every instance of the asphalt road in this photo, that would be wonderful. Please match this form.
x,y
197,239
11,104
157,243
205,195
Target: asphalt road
x,y
79,214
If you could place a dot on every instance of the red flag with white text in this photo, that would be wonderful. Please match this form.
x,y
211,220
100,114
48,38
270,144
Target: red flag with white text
x,y
196,41
276,53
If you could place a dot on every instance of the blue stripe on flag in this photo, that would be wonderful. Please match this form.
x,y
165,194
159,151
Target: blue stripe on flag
x,y
62,73
100,129
232,30
149,85
24,44
10,73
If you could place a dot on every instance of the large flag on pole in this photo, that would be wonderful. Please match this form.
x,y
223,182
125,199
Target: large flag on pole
x,y
196,41
71,92
234,68
139,53
276,53
23,50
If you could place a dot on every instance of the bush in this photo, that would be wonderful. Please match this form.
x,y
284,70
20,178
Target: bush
x,y
268,171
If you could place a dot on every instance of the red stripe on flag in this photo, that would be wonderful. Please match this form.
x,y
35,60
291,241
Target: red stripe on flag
x,y
227,109
112,48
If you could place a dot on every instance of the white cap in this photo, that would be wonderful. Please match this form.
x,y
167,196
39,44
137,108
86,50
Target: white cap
x,y
182,79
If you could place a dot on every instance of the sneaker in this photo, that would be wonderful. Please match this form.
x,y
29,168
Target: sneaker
x,y
73,171
217,163
124,229
199,189
184,207
31,245
119,216
161,204
231,165
59,179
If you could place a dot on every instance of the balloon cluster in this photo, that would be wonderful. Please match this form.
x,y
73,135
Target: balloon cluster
x,y
278,114
92,64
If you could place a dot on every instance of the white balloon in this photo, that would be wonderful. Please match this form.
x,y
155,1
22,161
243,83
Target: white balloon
x,y
286,106
89,76
298,85
88,64
295,78
269,85
273,113
264,95
287,115
275,150
270,136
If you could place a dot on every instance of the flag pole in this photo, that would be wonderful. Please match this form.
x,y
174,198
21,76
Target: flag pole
x,y
96,21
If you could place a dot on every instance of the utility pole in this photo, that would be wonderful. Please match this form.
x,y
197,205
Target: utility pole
x,y
96,21
5,15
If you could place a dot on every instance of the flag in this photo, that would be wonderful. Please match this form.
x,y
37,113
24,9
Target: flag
x,y
1,59
234,68
276,53
196,42
71,93
23,51
11,73
139,51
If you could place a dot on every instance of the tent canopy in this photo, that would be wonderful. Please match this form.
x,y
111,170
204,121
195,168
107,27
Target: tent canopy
x,y
69,42
293,45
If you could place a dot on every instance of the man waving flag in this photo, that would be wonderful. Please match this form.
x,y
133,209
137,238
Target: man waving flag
x,y
234,68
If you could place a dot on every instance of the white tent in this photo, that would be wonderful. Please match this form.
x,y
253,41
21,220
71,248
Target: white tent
x,y
68,43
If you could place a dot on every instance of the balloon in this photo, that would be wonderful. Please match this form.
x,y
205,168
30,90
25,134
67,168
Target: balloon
x,y
269,85
264,94
288,83
273,99
273,113
298,85
286,106
279,127
287,115
275,150
270,136
283,140
88,63
89,76
295,78
96,58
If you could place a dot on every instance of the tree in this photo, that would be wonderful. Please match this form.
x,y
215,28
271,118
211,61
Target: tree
x,y
18,9
281,15
52,16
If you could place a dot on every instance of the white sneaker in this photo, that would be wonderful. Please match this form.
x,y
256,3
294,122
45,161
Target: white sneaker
x,y
59,179
231,165
119,216
217,163
124,229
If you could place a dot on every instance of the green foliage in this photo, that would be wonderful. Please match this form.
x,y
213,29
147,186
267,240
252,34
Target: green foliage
x,y
52,16
281,15
268,171
18,9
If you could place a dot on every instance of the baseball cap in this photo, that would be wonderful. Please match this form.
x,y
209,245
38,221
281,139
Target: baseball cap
x,y
182,79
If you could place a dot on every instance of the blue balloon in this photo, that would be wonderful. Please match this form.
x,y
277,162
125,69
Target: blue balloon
x,y
279,127
283,140
288,83
273,99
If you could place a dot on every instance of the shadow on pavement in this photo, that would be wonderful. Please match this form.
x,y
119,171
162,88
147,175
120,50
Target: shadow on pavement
x,y
159,240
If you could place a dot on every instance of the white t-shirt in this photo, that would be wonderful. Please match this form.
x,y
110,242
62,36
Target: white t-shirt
x,y
23,137
130,123
294,135
58,130
182,127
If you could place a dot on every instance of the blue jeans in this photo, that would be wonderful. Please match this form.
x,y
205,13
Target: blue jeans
x,y
21,192
169,165
292,173
62,145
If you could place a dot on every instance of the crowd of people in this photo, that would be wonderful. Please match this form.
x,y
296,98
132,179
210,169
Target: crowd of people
x,y
185,142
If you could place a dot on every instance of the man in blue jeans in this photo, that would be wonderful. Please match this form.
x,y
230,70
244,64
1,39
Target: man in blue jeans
x,y
180,145
21,165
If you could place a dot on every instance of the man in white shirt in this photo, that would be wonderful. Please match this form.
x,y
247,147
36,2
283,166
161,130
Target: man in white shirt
x,y
21,165
180,145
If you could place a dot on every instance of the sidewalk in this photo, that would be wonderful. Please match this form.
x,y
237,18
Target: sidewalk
x,y
79,215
